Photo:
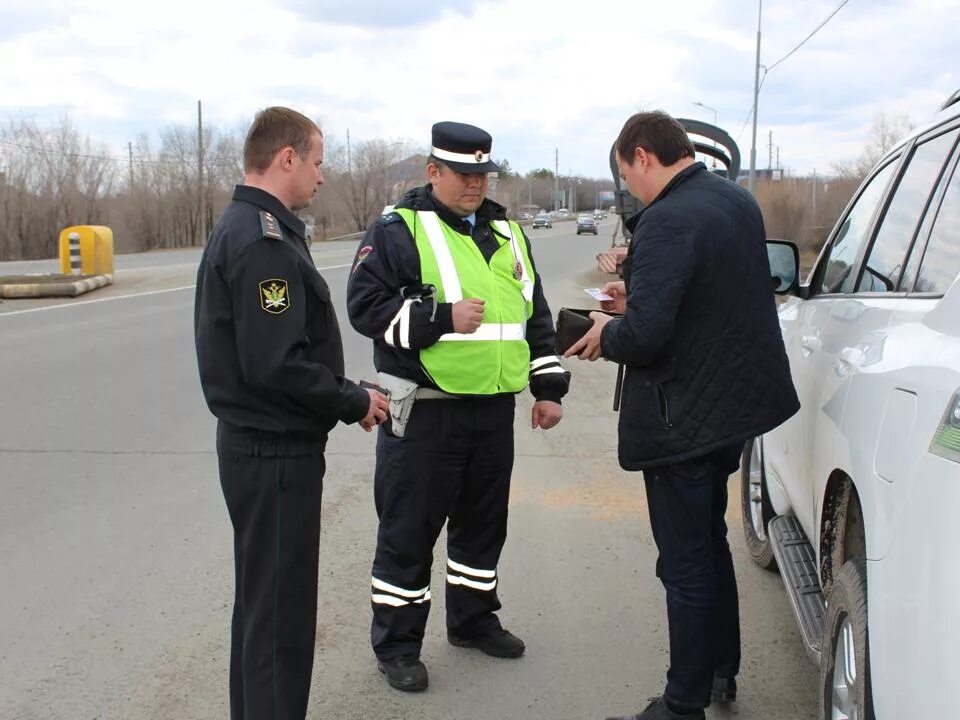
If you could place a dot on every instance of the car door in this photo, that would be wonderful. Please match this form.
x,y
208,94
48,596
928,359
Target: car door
x,y
815,331
861,330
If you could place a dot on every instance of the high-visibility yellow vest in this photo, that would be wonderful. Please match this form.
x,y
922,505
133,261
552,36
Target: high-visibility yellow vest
x,y
495,358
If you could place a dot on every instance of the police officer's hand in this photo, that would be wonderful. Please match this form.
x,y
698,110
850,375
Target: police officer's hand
x,y
546,414
467,315
378,411
618,291
588,347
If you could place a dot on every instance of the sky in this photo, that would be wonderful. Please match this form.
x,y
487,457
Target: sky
x,y
539,76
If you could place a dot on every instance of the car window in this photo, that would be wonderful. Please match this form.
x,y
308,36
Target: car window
x,y
838,276
941,261
896,230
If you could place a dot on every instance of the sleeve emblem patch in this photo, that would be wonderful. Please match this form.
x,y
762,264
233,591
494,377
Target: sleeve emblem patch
x,y
274,296
361,256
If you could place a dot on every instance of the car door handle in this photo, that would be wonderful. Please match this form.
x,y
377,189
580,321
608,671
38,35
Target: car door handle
x,y
809,344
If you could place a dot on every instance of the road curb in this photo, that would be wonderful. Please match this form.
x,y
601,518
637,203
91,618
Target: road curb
x,y
37,286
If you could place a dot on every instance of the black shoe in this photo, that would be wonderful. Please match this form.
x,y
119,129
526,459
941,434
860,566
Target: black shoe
x,y
496,643
724,689
405,673
658,710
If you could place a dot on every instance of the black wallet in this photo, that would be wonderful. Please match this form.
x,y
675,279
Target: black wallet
x,y
572,324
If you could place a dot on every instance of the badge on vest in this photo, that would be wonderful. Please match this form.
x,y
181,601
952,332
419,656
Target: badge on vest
x,y
517,271
274,296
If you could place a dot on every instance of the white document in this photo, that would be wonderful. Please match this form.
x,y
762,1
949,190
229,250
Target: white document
x,y
597,294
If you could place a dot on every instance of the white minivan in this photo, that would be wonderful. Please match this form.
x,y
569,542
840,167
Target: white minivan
x,y
856,499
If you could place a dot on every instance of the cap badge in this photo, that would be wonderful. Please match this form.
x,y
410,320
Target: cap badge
x,y
479,155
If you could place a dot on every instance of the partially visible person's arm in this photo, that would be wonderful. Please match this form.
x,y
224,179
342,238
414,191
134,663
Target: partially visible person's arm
x,y
271,334
662,264
382,292
549,381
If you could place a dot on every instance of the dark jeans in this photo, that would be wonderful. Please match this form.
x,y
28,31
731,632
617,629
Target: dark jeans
x,y
687,502
272,486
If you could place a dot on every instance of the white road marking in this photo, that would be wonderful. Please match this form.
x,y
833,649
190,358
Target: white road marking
x,y
127,297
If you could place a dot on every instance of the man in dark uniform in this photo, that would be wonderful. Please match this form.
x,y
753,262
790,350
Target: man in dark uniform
x,y
271,367
706,369
446,287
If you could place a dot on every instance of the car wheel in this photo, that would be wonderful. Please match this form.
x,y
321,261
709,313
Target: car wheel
x,y
845,663
755,505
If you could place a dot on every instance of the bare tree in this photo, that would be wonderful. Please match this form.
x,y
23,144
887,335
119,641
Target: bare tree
x,y
884,134
372,176
54,178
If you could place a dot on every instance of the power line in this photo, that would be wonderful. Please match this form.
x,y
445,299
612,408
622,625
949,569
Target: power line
x,y
766,70
815,31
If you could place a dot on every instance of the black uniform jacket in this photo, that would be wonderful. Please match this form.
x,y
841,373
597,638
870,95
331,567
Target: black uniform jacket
x,y
387,270
706,365
268,343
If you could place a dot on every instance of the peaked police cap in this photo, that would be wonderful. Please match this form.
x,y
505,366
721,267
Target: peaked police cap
x,y
463,148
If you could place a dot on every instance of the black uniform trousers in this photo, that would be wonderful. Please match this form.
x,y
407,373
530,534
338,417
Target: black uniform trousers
x,y
687,502
272,486
454,462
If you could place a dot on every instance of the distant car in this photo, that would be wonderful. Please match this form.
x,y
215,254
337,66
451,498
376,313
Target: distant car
x,y
524,216
542,221
599,215
586,224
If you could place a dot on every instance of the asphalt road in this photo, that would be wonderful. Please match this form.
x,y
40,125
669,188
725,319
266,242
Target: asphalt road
x,y
115,546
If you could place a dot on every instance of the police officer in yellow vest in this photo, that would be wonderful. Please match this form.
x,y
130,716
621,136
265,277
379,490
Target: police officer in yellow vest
x,y
446,287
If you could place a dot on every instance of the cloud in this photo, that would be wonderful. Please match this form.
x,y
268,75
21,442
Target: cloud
x,y
373,13
537,77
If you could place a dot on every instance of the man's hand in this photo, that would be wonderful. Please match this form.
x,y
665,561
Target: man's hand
x,y
467,315
378,411
546,414
588,347
618,291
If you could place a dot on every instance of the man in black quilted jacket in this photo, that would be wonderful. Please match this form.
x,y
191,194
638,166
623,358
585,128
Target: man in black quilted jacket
x,y
705,370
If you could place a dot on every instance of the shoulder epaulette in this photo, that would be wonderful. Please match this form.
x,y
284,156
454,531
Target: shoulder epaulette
x,y
269,227
389,218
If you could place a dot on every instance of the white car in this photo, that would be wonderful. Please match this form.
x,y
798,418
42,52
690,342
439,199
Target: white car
x,y
856,498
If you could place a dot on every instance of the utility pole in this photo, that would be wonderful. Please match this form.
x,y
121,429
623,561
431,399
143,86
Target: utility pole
x,y
130,153
556,178
752,178
778,157
770,152
349,165
202,224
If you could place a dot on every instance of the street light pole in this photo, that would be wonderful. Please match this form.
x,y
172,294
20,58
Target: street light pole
x,y
752,181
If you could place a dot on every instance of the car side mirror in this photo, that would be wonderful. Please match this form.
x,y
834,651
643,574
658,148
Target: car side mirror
x,y
784,260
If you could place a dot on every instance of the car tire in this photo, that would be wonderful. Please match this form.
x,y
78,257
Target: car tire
x,y
845,662
755,505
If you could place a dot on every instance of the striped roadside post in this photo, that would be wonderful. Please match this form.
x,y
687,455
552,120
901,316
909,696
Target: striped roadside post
x,y
75,264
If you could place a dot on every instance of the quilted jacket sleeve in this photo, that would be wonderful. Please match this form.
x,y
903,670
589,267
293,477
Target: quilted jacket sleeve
x,y
662,264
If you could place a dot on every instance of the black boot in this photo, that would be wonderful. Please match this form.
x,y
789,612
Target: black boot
x,y
658,710
496,642
405,673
